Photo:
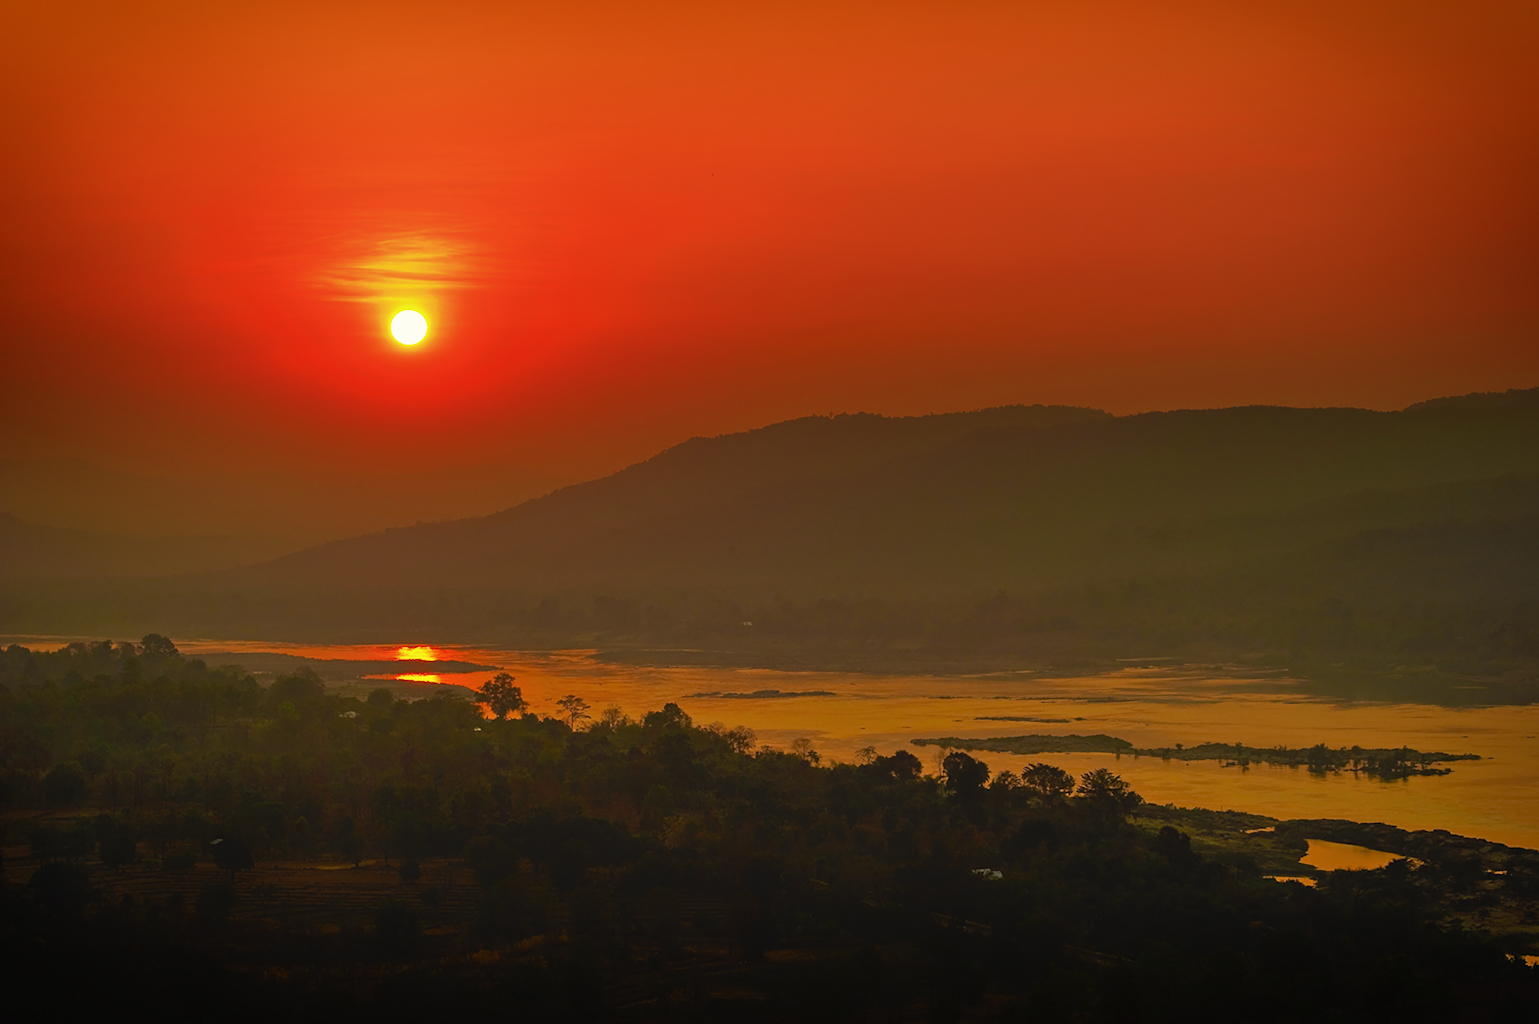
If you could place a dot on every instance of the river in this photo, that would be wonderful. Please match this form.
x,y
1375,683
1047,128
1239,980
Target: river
x,y
1495,798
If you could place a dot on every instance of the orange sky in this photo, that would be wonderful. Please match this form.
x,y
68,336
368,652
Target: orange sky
x,y
629,223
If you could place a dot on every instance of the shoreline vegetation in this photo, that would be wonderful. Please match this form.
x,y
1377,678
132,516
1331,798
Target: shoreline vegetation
x,y
1376,762
220,848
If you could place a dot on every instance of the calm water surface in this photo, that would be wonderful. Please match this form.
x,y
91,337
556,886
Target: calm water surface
x,y
1496,798
1328,856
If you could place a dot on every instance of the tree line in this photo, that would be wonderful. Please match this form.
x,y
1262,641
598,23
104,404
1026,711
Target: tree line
x,y
645,869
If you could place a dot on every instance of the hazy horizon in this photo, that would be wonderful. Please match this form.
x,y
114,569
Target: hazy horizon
x,y
292,507
770,513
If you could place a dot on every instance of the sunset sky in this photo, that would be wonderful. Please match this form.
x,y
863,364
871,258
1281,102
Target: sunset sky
x,y
629,223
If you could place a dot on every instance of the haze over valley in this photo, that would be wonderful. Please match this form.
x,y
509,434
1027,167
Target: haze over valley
x,y
1308,539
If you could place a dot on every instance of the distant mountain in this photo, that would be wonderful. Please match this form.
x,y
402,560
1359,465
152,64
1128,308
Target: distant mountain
x,y
1514,398
1025,499
1327,537
679,517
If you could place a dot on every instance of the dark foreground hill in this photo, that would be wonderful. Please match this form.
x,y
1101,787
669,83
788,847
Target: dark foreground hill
x,y
1044,532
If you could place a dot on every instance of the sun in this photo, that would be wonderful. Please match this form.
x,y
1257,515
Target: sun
x,y
408,327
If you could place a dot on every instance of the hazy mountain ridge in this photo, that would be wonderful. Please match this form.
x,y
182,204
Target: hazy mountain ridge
x,y
1513,397
1324,536
1021,505
718,473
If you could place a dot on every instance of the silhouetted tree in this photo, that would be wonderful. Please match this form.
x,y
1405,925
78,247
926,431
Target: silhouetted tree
x,y
574,708
670,717
501,697
155,647
614,718
740,738
1047,781
965,774
1108,792
901,767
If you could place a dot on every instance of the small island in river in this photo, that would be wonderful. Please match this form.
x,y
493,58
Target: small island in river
x,y
1380,762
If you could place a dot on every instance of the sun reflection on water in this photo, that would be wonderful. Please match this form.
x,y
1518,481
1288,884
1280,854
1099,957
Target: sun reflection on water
x,y
417,677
